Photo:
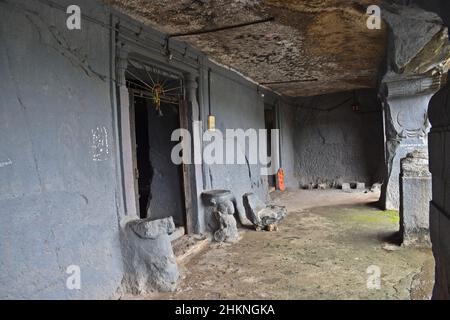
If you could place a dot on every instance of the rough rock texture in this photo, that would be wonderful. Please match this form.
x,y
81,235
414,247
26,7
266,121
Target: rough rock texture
x,y
263,216
59,188
420,39
227,231
415,196
418,54
334,144
220,215
148,229
346,187
406,125
150,263
322,45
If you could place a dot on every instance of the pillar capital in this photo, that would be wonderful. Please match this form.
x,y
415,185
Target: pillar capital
x,y
396,86
191,86
121,62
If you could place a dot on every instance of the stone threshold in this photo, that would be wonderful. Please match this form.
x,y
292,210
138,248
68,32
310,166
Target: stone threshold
x,y
188,246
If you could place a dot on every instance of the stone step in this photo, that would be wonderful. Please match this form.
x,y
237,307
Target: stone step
x,y
187,246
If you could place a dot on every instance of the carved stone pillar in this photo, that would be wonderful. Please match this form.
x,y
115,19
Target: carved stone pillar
x,y
195,219
415,196
124,103
405,104
416,56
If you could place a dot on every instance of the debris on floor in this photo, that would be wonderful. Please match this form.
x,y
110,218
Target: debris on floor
x,y
264,217
329,241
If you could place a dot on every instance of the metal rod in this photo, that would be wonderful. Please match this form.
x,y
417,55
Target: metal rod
x,y
290,81
240,25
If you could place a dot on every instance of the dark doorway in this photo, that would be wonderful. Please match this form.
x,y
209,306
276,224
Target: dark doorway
x,y
144,172
158,181
270,120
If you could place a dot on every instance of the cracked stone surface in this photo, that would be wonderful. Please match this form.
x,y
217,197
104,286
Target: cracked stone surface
x,y
420,40
321,251
415,189
324,43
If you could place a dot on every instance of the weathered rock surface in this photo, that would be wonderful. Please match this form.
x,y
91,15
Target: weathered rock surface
x,y
360,186
227,231
220,215
418,55
311,47
419,39
148,229
415,196
263,216
415,164
150,263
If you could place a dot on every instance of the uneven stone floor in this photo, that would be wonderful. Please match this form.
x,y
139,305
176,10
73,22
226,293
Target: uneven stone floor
x,y
321,251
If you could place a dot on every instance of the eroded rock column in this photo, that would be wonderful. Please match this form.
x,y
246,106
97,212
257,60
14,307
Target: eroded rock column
x,y
415,195
416,58
405,104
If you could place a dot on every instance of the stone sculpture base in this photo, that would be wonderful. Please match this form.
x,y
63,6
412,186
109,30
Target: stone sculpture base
x,y
415,196
150,264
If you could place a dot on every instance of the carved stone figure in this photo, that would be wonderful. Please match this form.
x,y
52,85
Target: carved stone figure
x,y
227,231
222,221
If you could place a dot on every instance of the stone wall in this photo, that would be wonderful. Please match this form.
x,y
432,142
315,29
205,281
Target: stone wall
x,y
59,187
61,180
335,144
236,105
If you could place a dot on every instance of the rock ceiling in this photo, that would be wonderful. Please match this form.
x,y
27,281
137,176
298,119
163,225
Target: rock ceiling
x,y
311,47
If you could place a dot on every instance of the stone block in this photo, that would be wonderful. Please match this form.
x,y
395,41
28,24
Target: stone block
x,y
376,187
346,187
148,229
150,264
360,186
262,215
415,196
253,205
322,186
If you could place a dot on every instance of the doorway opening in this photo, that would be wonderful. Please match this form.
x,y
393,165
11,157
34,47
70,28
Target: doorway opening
x,y
155,99
270,124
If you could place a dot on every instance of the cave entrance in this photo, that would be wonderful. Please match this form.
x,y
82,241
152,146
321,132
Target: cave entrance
x,y
155,99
